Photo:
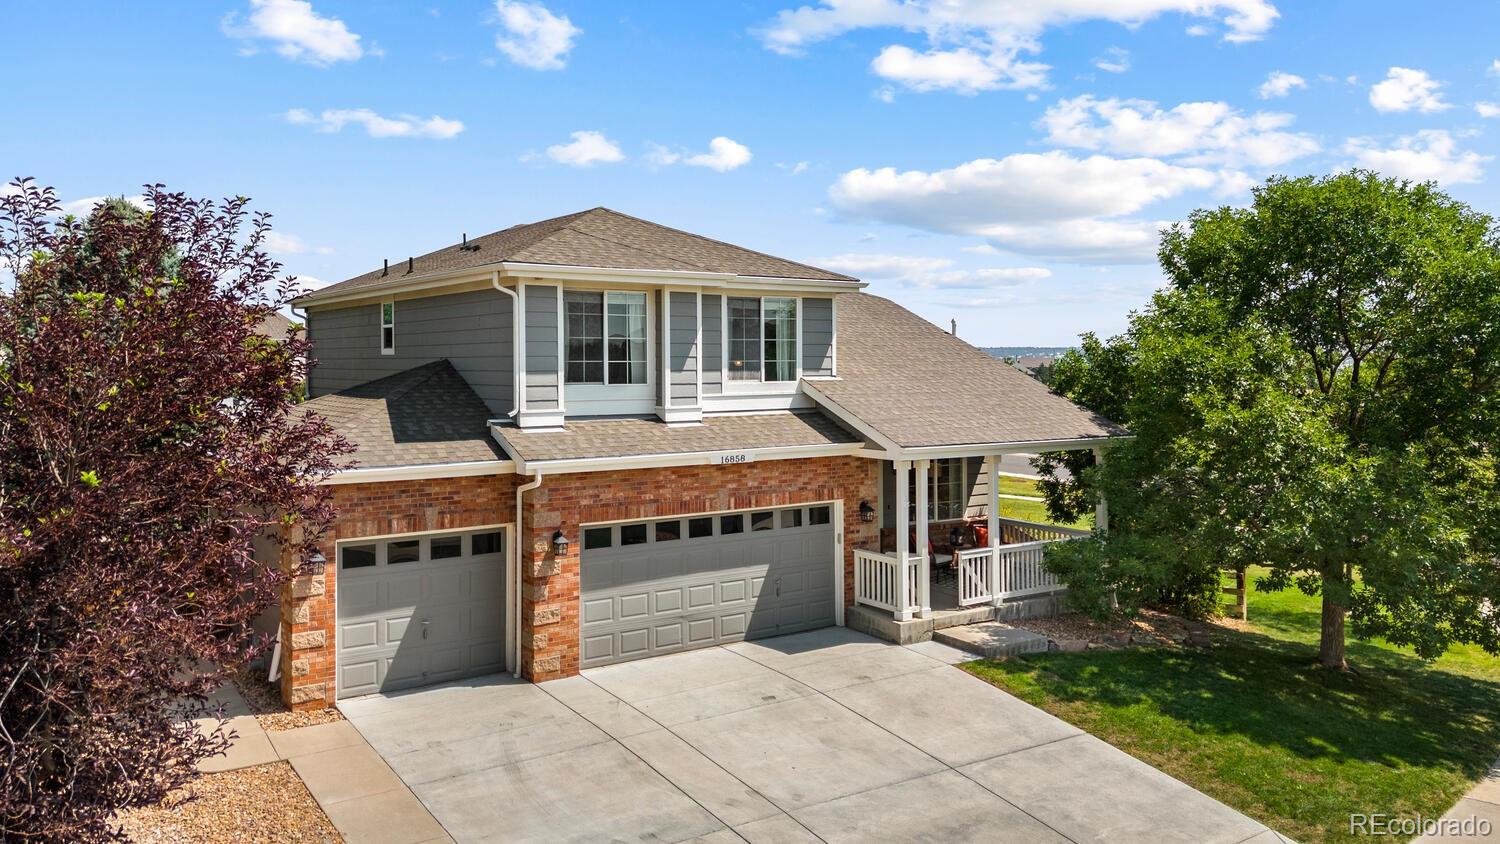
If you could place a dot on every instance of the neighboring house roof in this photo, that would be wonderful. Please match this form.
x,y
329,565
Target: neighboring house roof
x,y
598,237
917,385
276,326
424,415
629,437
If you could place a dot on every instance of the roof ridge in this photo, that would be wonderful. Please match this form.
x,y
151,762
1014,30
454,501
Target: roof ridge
x,y
721,243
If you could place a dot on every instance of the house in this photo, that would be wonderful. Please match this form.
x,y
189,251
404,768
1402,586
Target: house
x,y
594,439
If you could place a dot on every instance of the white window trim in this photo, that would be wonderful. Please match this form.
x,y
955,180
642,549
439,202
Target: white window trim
x,y
391,349
604,302
759,385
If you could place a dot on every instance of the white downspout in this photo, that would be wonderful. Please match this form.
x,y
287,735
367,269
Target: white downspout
x,y
516,352
515,616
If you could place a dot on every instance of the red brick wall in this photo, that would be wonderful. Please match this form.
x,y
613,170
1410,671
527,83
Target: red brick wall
x,y
373,509
550,590
549,604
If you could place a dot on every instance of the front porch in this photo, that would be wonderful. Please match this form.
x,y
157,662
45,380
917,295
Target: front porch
x,y
960,564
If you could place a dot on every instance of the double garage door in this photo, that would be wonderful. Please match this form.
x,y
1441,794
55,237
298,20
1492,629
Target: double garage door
x,y
420,609
666,585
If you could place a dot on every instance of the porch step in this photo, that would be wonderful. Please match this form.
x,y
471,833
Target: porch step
x,y
991,639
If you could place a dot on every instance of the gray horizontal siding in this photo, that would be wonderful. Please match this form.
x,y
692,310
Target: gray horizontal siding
x,y
542,364
683,326
472,330
713,345
817,336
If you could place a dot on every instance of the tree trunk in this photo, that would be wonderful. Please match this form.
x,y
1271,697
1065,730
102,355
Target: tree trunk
x,y
1331,644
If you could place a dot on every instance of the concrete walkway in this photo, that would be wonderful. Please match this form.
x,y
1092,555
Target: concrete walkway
x,y
828,735
1481,803
365,800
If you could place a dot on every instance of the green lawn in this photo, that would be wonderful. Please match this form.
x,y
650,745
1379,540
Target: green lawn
x,y
1253,723
1036,511
1019,486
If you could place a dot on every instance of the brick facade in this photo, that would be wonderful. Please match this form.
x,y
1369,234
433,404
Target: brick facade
x,y
550,586
373,509
549,604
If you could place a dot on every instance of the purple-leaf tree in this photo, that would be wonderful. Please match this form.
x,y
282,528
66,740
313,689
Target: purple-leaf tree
x,y
148,434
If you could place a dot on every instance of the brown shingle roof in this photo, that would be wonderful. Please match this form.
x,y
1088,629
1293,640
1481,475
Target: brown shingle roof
x,y
424,415
917,385
627,437
598,237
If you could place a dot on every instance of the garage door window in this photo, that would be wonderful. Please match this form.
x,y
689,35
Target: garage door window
x,y
819,515
764,520
487,543
632,534
699,528
668,531
356,556
731,524
405,551
447,547
600,537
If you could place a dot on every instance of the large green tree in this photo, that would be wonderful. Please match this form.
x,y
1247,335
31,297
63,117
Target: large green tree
x,y
1317,391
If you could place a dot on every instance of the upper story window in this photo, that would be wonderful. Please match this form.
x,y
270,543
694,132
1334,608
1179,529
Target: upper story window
x,y
387,328
762,338
606,337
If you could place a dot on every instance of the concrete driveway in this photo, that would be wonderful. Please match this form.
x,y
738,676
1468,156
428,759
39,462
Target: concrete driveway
x,y
828,735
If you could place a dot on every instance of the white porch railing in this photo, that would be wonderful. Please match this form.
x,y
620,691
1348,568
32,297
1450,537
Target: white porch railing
x,y
877,582
976,578
1021,570
1036,531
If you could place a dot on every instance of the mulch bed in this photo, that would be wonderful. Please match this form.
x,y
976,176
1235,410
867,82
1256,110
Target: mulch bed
x,y
1073,631
264,803
265,701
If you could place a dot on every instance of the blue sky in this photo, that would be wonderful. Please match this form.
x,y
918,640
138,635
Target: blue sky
x,y
1003,163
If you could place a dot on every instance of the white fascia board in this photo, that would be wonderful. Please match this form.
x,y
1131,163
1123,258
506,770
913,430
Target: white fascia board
x,y
686,458
931,452
848,418
559,272
415,473
404,284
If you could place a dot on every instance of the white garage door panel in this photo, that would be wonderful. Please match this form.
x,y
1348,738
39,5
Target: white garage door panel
x,y
420,621
675,590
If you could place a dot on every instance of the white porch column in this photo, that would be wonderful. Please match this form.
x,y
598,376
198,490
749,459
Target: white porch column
x,y
993,521
903,529
1101,509
924,575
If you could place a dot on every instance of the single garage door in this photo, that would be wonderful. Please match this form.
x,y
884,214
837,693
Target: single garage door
x,y
414,610
665,585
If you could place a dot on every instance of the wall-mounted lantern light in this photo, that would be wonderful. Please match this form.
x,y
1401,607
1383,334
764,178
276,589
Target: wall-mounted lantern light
x,y
316,558
866,512
560,544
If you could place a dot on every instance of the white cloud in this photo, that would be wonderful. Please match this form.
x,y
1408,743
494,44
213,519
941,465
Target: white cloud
x,y
376,125
973,45
84,206
723,155
298,32
661,156
1487,109
886,94
963,70
1429,155
1046,204
282,243
1202,133
929,272
1495,67
1113,60
1404,89
1279,84
587,148
534,37
796,169
1198,30
980,249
